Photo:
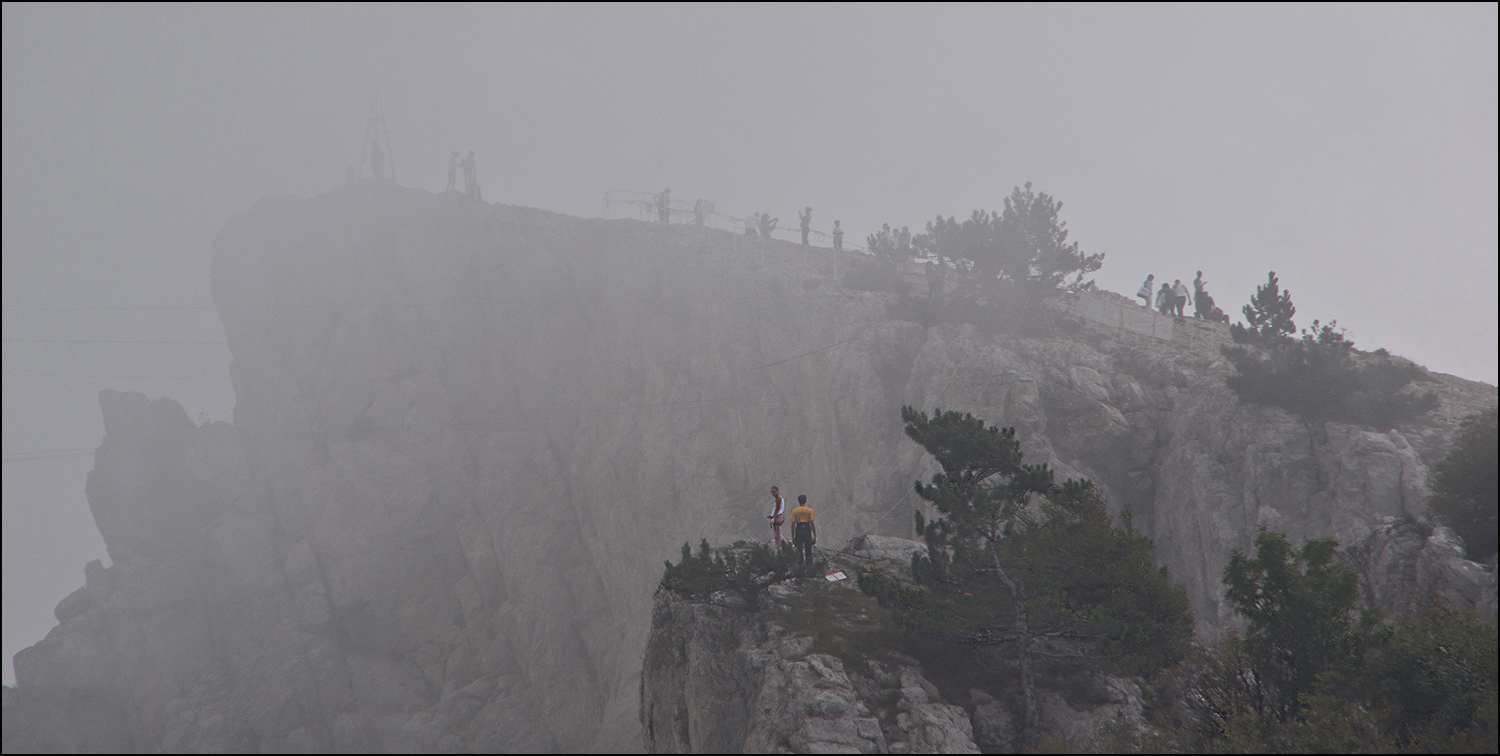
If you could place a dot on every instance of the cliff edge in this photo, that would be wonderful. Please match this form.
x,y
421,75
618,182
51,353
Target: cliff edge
x,y
466,436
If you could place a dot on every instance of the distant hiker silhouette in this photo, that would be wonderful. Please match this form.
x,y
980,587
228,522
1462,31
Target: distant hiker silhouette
x,y
452,171
806,218
664,205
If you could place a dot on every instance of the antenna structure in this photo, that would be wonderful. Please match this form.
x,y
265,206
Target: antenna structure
x,y
375,132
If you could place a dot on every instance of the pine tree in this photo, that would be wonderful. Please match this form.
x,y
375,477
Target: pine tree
x,y
1269,315
1052,584
1023,246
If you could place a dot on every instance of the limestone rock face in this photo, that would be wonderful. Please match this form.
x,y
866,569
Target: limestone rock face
x,y
726,675
719,678
467,435
1404,561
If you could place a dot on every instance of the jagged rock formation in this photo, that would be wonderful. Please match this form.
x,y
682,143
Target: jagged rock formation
x,y
466,436
723,675
1404,562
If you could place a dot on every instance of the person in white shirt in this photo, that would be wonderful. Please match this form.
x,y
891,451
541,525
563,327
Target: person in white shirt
x,y
777,516
1145,292
1180,293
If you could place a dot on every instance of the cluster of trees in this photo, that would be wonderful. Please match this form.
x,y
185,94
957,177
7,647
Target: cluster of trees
x,y
1023,573
1320,375
1023,248
1313,675
1030,575
1017,254
1027,572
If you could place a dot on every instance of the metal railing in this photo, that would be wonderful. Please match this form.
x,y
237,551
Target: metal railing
x,y
643,206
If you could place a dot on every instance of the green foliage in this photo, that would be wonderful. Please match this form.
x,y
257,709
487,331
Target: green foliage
x,y
747,568
1024,245
1269,313
1312,677
1465,490
1089,591
1320,376
1436,676
1300,603
696,576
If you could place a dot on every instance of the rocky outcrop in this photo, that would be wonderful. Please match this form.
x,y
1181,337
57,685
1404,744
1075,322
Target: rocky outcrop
x,y
801,670
466,436
1404,563
718,681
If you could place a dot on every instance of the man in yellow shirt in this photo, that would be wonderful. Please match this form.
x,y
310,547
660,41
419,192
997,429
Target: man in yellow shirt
x,y
804,530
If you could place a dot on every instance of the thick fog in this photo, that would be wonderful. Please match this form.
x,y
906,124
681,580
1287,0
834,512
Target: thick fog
x,y
1351,149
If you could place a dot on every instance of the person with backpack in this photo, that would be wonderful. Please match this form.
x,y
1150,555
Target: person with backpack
x,y
804,530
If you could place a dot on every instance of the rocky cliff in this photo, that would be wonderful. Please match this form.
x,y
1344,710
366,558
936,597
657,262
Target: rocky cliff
x,y
466,436
806,668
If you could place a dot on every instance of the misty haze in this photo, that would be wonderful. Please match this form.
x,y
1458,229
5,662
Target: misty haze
x,y
396,378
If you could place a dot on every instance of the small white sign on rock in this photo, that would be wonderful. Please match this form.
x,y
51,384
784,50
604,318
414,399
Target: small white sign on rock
x,y
834,577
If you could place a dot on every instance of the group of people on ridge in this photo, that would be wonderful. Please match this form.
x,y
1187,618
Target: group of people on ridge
x,y
761,223
1172,298
758,224
888,242
804,530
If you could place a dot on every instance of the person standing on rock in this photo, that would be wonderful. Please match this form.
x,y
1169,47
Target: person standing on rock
x,y
1179,296
838,237
804,530
777,517
1145,292
806,218
452,171
664,206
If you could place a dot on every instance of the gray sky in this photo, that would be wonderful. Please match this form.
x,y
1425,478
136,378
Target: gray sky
x,y
1351,149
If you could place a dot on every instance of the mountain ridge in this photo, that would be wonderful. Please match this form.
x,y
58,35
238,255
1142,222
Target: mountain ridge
x,y
466,435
